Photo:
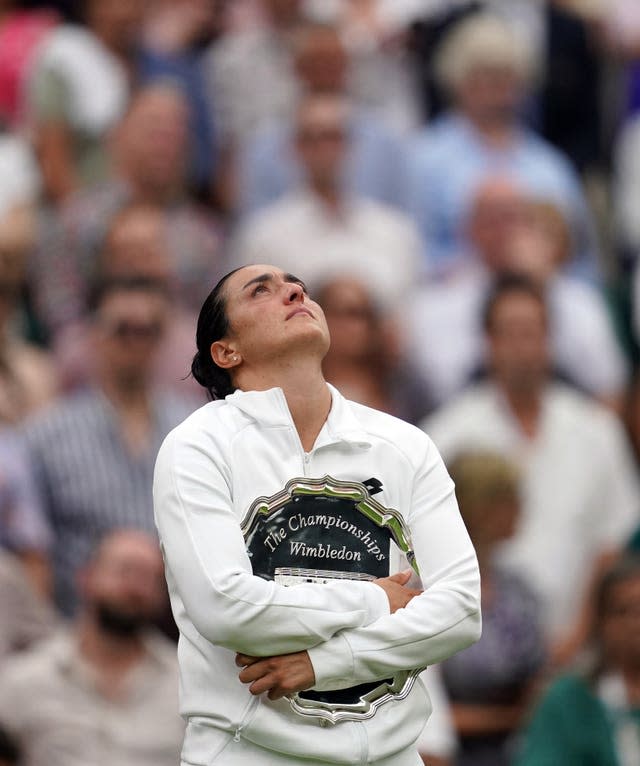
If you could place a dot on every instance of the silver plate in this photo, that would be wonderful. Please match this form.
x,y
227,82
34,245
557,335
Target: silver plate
x,y
366,698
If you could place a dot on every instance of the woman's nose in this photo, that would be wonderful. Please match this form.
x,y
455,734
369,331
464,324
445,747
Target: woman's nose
x,y
295,292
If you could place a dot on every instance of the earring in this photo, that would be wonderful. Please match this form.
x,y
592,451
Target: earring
x,y
235,358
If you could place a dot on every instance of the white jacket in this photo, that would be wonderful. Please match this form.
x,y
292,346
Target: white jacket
x,y
210,471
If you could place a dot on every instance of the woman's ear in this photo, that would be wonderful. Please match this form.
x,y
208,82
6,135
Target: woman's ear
x,y
224,355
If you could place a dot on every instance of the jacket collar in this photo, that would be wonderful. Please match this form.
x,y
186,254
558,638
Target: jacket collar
x,y
269,408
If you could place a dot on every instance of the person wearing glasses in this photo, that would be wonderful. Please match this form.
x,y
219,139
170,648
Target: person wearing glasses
x,y
93,451
294,524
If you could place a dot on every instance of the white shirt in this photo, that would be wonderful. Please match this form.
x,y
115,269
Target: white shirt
x,y
50,698
580,489
368,241
230,461
445,338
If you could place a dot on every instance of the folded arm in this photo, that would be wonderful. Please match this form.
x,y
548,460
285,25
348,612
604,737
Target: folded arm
x,y
206,556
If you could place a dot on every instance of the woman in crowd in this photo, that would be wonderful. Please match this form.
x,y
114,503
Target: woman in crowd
x,y
489,684
592,715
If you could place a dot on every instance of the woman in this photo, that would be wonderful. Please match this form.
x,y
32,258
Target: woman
x,y
282,482
489,684
365,359
592,716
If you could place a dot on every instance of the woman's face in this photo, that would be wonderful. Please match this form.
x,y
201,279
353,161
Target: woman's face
x,y
271,314
352,320
621,624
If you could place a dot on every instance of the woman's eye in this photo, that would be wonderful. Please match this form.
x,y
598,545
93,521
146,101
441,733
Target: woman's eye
x,y
258,289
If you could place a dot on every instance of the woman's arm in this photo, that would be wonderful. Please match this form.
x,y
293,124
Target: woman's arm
x,y
441,621
209,570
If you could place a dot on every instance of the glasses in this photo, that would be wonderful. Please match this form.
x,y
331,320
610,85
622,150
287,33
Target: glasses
x,y
126,329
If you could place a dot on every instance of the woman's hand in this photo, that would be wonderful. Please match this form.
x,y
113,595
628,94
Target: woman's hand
x,y
395,588
278,676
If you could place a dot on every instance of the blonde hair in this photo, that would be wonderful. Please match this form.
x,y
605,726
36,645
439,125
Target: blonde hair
x,y
482,478
483,40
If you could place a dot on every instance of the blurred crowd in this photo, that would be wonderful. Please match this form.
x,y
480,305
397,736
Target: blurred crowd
x,y
458,183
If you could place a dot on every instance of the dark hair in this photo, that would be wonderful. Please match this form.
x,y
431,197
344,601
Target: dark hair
x,y
213,324
9,750
508,284
625,567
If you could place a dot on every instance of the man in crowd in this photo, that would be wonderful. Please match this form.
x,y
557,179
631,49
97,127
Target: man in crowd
x,y
149,151
104,691
488,74
93,452
321,230
510,232
580,488
375,163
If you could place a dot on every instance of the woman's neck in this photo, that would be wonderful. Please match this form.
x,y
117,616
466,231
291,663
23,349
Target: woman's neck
x,y
305,389
309,408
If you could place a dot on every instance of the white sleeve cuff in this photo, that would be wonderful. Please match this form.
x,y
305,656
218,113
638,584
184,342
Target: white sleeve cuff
x,y
332,663
377,602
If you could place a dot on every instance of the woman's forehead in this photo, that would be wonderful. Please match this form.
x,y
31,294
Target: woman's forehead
x,y
255,272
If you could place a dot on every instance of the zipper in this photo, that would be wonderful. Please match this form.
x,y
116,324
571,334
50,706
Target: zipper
x,y
305,456
251,710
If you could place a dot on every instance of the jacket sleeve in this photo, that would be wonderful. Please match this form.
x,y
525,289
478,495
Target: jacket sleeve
x,y
209,570
441,621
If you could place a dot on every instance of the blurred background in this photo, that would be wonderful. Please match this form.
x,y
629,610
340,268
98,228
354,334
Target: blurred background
x,y
458,182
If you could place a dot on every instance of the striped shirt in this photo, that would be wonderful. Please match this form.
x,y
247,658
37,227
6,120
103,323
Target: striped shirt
x,y
90,481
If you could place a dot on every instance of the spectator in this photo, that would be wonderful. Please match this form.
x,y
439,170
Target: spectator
x,y
590,715
323,232
381,77
487,75
106,689
28,378
511,233
489,684
21,31
94,451
80,87
172,48
251,75
150,157
363,361
375,168
564,104
580,488
26,617
78,90
136,246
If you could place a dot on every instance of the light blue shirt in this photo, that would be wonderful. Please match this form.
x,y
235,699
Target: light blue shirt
x,y
449,160
375,166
